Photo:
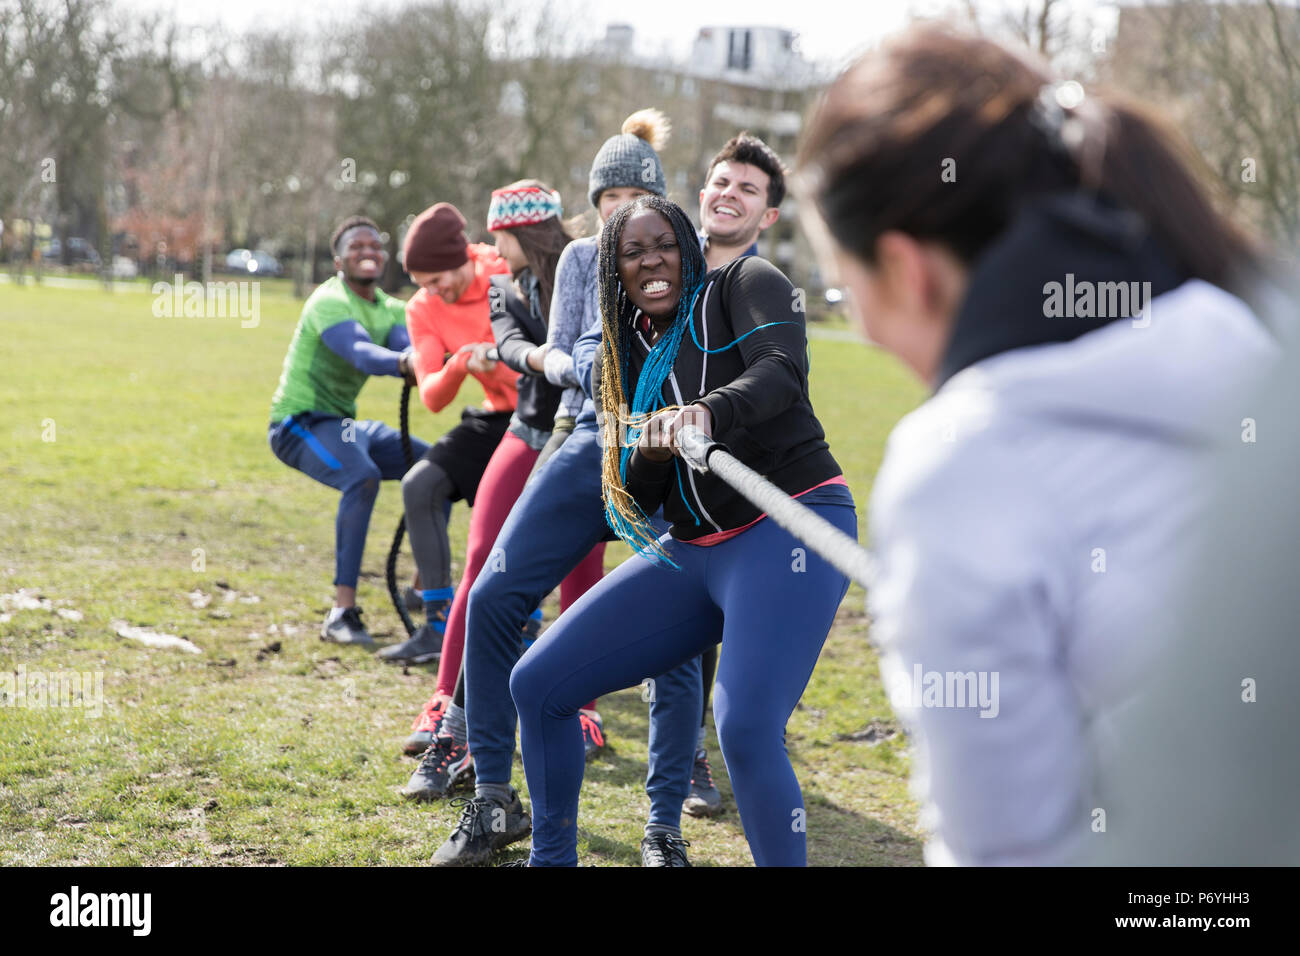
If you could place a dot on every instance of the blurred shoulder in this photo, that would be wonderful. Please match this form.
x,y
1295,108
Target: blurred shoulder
x,y
422,306
750,275
487,260
951,459
329,301
331,290
391,304
751,268
580,253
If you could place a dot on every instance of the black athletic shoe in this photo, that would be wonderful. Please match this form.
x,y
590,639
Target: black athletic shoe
x,y
413,600
422,647
704,799
664,850
445,767
485,826
346,629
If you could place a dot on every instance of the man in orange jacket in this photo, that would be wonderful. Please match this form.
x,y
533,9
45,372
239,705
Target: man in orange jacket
x,y
451,332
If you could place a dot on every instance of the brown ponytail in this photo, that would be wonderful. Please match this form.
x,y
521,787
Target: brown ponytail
x,y
943,136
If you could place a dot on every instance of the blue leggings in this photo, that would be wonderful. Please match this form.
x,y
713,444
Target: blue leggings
x,y
352,457
768,599
553,524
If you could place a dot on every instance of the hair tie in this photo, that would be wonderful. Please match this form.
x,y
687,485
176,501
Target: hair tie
x,y
1074,125
1055,113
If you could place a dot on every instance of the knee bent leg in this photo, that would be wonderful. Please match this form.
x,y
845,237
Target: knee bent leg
x,y
365,485
527,691
746,739
425,483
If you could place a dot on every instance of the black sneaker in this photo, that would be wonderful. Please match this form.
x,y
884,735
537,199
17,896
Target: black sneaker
x,y
485,826
413,600
704,799
346,629
664,850
446,766
422,647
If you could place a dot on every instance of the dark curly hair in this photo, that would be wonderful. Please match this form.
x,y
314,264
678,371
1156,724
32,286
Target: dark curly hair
x,y
749,149
350,223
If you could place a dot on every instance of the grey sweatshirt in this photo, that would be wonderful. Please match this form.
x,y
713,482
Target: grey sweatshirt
x,y
575,308
1029,523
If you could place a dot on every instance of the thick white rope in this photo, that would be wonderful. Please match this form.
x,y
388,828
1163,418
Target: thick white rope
x,y
842,552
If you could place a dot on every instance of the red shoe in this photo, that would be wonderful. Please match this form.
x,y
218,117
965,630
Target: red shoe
x,y
425,727
593,736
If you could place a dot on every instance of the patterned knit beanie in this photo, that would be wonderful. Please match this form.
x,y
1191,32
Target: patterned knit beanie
x,y
630,159
521,206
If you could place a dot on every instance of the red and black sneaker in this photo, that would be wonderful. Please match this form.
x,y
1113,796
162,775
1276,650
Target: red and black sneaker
x,y
704,799
425,727
445,767
593,733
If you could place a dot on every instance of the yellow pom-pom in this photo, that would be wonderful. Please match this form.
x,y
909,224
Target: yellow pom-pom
x,y
650,125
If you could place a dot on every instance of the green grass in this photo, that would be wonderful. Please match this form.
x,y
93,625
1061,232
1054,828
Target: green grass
x,y
159,448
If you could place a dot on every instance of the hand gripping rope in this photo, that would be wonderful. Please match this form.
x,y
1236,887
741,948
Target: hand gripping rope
x,y
844,554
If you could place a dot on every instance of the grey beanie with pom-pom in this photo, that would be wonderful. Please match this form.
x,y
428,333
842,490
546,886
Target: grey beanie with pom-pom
x,y
630,158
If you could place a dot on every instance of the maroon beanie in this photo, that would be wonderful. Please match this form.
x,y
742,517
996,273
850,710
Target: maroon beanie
x,y
436,240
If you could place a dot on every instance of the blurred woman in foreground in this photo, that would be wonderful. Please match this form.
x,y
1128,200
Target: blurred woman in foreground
x,y
1045,259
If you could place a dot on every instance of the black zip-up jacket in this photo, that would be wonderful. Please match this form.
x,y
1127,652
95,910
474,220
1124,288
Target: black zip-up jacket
x,y
756,391
518,330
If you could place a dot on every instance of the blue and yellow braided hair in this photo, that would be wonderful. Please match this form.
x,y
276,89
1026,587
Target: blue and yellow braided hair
x,y
629,404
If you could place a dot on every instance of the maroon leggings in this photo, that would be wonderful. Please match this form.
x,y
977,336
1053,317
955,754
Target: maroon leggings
x,y
501,484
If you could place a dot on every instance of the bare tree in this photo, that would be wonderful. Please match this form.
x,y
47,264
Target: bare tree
x,y
418,119
70,70
1070,37
1228,74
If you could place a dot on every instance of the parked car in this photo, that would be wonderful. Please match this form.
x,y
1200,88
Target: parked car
x,y
257,262
79,251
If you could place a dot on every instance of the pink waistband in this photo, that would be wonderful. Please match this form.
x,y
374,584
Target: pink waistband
x,y
720,536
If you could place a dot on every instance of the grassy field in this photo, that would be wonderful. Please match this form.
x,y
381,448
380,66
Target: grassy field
x,y
136,486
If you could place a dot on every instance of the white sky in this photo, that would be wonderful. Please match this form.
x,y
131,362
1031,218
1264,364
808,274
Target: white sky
x,y
830,31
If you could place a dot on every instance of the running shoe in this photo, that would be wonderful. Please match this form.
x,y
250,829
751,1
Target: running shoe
x,y
413,600
422,647
346,629
704,799
664,850
444,767
425,727
593,732
485,826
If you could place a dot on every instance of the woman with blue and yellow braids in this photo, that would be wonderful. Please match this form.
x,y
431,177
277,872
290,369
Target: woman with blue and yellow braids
x,y
727,352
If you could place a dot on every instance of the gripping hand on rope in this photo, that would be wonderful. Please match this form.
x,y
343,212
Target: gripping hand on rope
x,y
406,366
483,357
660,435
